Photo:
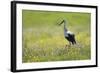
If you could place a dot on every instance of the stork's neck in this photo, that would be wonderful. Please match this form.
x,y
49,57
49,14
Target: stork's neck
x,y
65,29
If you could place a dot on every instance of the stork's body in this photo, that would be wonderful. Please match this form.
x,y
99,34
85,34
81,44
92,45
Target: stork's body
x,y
67,34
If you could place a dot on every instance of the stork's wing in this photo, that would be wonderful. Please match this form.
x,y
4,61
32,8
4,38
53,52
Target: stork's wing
x,y
72,38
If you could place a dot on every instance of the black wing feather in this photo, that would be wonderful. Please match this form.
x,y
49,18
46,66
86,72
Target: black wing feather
x,y
71,38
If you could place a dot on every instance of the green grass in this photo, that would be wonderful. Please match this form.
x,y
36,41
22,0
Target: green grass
x,y
43,40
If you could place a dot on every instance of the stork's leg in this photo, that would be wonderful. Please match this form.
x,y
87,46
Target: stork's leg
x,y
66,46
69,44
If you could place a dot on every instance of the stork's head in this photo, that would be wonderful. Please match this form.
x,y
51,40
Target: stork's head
x,y
61,22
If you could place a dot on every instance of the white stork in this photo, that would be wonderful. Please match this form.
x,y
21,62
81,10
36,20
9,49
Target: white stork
x,y
68,34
